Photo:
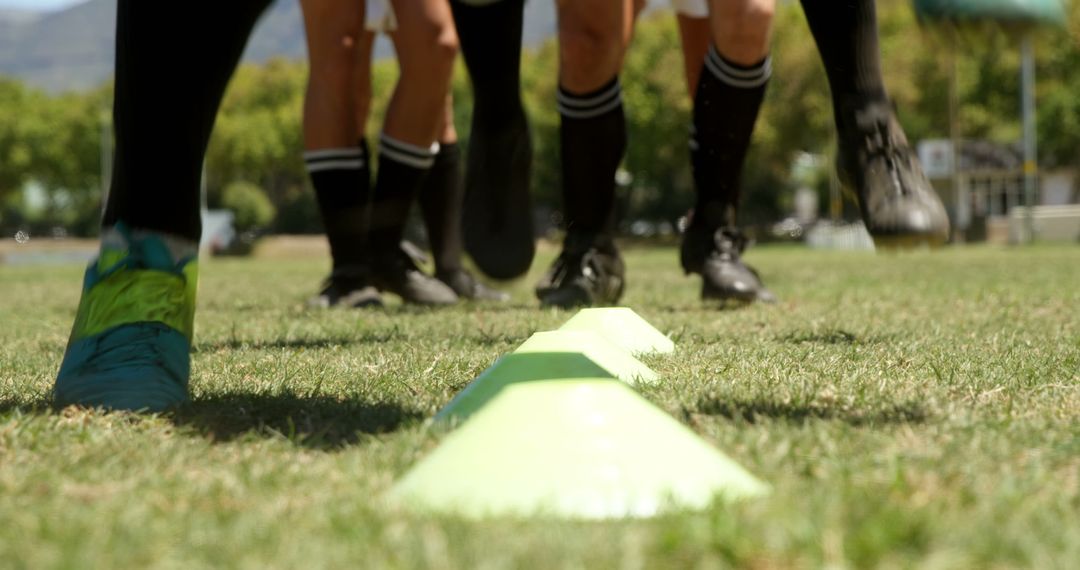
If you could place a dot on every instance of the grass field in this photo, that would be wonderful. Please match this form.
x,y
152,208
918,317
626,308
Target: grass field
x,y
916,410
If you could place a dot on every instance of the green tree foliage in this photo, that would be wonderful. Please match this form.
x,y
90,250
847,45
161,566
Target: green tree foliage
x,y
54,141
1059,96
18,134
251,207
257,136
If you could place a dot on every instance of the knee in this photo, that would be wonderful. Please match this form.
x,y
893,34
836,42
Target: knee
x,y
754,17
446,45
589,55
742,29
441,45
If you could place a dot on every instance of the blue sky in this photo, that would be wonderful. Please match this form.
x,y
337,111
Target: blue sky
x,y
38,4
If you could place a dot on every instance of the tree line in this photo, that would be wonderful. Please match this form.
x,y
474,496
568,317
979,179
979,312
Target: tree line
x,y
53,144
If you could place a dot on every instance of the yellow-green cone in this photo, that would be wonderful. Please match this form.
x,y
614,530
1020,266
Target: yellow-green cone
x,y
622,327
610,357
585,448
547,356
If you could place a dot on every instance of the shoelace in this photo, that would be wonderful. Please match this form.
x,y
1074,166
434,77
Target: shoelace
x,y
728,244
567,261
157,297
145,347
878,142
137,257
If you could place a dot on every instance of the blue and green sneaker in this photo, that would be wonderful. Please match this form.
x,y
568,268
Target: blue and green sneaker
x,y
130,347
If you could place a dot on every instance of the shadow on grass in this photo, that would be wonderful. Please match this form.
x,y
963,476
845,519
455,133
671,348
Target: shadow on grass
x,y
832,337
695,309
42,405
752,411
410,309
315,422
489,337
365,337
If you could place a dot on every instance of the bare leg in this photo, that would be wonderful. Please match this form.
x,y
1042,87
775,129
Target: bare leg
x,y
696,37
333,29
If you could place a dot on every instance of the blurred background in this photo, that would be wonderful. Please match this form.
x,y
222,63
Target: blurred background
x,y
958,89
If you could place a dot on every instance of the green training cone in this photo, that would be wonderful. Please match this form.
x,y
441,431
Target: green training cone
x,y
552,355
622,327
609,356
584,448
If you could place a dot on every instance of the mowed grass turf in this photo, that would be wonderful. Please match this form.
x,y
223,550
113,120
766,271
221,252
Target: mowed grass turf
x,y
914,410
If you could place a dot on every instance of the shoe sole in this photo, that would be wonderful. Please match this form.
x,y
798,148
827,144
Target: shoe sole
x,y
419,301
724,297
908,241
894,241
366,300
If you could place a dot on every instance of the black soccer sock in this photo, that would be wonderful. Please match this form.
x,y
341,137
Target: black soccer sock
x,y
726,107
342,182
490,37
593,140
441,198
402,168
847,38
170,76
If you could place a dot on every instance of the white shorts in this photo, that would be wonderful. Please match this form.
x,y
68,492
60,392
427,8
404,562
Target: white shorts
x,y
379,16
691,8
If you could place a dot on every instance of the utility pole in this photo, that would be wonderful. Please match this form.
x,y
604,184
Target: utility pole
x,y
1031,165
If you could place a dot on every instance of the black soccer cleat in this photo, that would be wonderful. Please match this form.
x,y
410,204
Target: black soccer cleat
x,y
716,255
497,213
587,273
396,272
877,166
348,287
467,287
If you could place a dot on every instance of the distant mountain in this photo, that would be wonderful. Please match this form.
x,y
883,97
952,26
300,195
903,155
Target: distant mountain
x,y
17,17
73,49
67,49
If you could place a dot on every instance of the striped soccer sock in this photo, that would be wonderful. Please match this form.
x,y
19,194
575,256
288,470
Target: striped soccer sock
x,y
726,107
593,137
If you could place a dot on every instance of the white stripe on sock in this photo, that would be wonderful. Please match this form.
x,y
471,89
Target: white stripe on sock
x,y
389,152
335,165
764,68
571,100
723,76
589,113
403,147
320,154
